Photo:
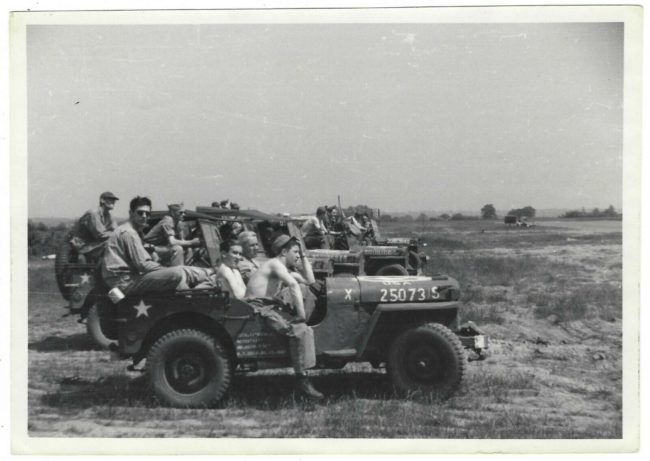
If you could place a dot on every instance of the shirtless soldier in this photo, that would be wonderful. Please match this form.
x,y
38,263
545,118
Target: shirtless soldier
x,y
263,291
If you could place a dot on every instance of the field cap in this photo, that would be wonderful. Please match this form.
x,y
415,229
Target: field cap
x,y
176,206
281,242
321,210
108,195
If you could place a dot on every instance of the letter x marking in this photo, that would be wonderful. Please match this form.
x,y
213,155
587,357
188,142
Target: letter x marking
x,y
348,293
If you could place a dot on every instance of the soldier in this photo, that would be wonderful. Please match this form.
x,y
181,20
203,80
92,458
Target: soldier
x,y
314,230
128,266
228,274
262,291
167,237
93,229
249,262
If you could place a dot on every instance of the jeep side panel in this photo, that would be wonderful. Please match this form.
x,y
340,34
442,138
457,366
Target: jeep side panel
x,y
342,329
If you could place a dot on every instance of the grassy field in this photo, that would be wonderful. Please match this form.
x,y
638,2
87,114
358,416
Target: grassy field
x,y
549,298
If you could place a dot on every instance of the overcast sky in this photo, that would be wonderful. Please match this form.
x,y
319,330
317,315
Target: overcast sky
x,y
284,117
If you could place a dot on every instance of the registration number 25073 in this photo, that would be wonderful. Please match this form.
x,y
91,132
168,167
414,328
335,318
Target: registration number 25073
x,y
396,295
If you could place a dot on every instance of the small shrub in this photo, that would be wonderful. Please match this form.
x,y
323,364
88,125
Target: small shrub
x,y
565,307
483,313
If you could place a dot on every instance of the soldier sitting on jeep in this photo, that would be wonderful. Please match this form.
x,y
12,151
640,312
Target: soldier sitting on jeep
x,y
128,266
93,229
249,262
167,237
228,274
262,293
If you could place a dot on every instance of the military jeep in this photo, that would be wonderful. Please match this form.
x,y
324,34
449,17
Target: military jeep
x,y
195,340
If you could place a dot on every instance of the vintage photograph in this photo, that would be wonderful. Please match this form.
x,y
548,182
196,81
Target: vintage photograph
x,y
407,225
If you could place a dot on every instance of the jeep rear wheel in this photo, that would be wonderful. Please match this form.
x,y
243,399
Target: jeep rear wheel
x,y
392,270
64,255
188,368
427,359
98,326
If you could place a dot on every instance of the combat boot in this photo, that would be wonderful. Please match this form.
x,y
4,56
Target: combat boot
x,y
307,389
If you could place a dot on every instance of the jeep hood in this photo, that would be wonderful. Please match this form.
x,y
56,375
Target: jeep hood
x,y
382,289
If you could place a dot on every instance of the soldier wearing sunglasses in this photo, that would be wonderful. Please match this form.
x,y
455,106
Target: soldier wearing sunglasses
x,y
128,266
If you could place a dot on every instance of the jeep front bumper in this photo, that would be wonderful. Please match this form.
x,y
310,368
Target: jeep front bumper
x,y
472,338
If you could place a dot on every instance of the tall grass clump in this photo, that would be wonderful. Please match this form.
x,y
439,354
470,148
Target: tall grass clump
x,y
471,269
601,300
483,313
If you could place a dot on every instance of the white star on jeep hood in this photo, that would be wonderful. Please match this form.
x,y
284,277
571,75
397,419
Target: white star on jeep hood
x,y
142,309
85,278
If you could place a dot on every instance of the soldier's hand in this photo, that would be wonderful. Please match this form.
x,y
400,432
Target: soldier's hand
x,y
299,319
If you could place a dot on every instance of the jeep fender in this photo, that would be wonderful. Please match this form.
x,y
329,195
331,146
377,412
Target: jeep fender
x,y
389,320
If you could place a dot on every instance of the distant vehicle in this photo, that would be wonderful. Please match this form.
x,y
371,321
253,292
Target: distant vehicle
x,y
512,220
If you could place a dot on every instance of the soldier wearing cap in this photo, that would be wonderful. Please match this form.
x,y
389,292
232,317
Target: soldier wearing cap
x,y
167,237
264,290
93,229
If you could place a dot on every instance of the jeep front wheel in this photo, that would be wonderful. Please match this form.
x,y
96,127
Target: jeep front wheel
x,y
188,368
427,359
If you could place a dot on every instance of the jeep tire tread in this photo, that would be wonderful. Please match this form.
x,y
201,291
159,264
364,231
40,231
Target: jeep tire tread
x,y
427,359
63,274
188,368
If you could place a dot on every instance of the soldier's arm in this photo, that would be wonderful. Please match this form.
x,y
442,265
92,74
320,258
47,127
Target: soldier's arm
x,y
245,269
140,258
281,272
235,289
184,243
306,271
97,228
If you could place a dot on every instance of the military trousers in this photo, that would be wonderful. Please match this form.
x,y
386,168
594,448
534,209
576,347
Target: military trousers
x,y
170,255
163,279
301,337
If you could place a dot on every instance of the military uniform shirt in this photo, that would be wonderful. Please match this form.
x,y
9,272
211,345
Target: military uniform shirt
x,y
94,228
160,233
125,253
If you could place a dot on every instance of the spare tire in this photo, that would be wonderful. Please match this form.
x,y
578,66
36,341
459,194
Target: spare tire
x,y
414,260
393,270
65,254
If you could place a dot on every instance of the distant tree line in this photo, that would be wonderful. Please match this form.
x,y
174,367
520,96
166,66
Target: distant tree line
x,y
42,239
609,212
